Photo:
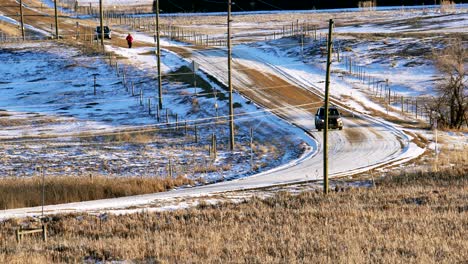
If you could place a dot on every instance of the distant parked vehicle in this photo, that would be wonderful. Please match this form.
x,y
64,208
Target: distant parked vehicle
x,y
334,118
107,33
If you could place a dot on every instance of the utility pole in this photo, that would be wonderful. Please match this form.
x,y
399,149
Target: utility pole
x,y
43,190
158,50
101,14
56,20
327,94
22,22
231,107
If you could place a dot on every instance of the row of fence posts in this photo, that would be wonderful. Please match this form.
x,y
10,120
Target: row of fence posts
x,y
92,9
379,88
173,32
87,34
6,38
171,120
147,24
382,90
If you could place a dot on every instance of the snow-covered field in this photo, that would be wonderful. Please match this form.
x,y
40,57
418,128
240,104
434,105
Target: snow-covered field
x,y
53,95
49,110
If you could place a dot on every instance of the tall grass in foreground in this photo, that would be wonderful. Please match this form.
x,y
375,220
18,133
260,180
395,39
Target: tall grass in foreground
x,y
413,218
27,192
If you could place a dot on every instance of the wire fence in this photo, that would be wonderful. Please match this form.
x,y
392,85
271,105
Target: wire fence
x,y
382,91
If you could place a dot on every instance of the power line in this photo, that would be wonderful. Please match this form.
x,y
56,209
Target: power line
x,y
148,75
158,127
216,91
167,49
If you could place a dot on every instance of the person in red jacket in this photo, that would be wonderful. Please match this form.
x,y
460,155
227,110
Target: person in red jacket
x,y
129,39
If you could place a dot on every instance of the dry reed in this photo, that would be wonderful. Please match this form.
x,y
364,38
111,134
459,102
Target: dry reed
x,y
74,189
413,218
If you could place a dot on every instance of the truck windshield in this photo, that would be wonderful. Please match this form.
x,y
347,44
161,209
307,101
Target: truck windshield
x,y
331,112
106,29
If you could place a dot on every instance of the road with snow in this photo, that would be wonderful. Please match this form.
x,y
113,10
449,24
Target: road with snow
x,y
364,143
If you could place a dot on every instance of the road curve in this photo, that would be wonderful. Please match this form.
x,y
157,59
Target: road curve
x,y
364,143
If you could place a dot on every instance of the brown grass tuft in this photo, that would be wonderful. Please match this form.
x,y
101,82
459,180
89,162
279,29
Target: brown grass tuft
x,y
74,189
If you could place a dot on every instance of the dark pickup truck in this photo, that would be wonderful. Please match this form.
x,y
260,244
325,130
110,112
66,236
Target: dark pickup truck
x,y
107,33
334,118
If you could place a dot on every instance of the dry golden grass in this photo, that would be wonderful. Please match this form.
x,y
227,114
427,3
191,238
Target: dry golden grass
x,y
132,137
451,157
74,189
411,218
9,120
447,6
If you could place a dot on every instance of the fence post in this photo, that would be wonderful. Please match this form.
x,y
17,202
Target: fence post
x,y
170,168
141,96
213,145
44,233
18,235
167,118
124,79
149,106
416,108
389,96
402,104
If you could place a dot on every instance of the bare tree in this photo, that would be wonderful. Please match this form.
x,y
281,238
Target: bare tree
x,y
451,102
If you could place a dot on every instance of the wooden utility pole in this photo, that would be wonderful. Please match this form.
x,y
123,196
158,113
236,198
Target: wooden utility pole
x,y
22,22
327,94
158,50
56,20
231,107
101,14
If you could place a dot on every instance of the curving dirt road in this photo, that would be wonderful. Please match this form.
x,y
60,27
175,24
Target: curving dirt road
x,y
364,143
